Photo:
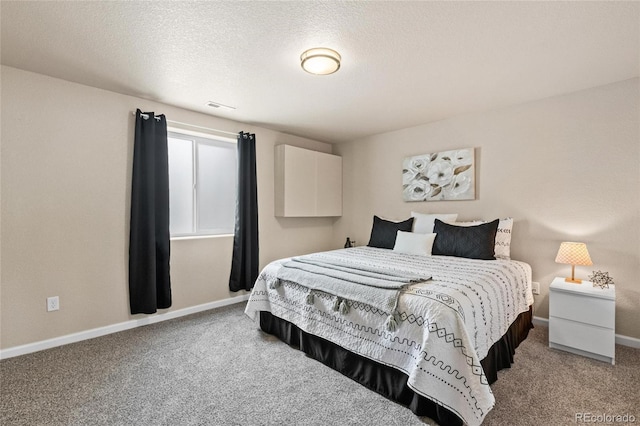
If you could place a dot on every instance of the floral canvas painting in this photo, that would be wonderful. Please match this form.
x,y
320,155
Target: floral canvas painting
x,y
447,175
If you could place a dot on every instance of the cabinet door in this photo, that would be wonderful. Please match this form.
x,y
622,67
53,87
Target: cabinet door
x,y
298,184
307,183
328,185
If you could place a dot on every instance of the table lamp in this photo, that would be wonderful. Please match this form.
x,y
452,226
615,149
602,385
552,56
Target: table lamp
x,y
573,254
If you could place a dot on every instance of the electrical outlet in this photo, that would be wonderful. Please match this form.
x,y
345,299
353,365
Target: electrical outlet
x,y
535,287
53,303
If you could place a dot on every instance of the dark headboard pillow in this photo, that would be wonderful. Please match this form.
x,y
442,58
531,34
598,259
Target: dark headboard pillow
x,y
383,232
472,242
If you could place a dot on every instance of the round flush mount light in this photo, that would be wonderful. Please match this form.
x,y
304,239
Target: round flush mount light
x,y
320,61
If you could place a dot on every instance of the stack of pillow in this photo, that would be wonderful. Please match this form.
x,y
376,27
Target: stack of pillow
x,y
440,234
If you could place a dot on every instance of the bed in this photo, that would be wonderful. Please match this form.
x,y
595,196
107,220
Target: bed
x,y
425,314
453,325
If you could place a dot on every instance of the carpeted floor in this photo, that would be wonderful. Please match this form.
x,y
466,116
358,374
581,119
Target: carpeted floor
x,y
217,368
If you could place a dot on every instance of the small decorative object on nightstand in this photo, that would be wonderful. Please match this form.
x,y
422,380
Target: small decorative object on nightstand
x,y
582,319
601,279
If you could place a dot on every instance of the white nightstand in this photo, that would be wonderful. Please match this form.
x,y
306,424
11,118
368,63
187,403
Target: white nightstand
x,y
582,319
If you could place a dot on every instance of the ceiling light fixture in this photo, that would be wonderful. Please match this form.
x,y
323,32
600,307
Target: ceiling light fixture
x,y
320,61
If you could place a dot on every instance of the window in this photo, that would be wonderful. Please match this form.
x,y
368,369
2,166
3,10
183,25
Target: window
x,y
202,184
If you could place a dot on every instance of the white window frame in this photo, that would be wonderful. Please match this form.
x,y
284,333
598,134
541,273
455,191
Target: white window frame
x,y
200,138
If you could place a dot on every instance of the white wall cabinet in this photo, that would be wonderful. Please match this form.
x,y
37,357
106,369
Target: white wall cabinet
x,y
307,183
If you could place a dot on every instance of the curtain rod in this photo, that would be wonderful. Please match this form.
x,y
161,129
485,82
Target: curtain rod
x,y
146,117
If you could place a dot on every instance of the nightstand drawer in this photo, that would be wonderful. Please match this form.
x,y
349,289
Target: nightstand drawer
x,y
576,307
585,337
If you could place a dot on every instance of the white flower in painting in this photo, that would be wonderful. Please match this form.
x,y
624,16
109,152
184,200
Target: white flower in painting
x,y
409,175
416,191
419,163
440,172
460,184
413,167
462,157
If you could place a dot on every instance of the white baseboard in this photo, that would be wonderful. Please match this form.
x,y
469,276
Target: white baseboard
x,y
620,338
627,341
114,328
540,321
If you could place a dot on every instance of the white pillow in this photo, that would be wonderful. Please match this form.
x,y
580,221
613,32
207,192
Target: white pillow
x,y
423,223
412,243
502,248
503,239
470,223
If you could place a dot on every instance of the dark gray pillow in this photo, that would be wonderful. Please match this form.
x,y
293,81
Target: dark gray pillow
x,y
383,233
472,242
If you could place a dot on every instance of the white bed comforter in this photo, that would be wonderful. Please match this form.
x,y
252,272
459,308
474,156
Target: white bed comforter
x,y
446,325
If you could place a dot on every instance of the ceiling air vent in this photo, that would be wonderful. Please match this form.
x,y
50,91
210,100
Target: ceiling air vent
x,y
218,105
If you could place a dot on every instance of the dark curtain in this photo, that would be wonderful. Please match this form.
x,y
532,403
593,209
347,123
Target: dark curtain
x,y
149,282
244,265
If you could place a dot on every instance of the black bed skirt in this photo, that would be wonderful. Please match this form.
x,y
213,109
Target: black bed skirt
x,y
385,380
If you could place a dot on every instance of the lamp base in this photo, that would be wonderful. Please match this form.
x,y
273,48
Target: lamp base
x,y
573,280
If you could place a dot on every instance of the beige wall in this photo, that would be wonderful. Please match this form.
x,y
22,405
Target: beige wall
x,y
566,168
65,184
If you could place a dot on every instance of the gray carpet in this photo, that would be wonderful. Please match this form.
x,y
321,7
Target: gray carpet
x,y
217,368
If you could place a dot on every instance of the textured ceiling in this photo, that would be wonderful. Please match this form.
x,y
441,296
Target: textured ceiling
x,y
404,63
